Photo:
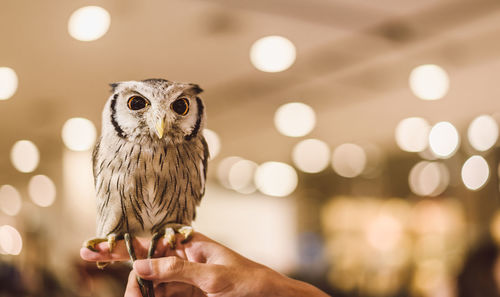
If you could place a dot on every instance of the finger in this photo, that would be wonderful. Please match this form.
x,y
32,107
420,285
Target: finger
x,y
120,253
132,289
207,277
202,249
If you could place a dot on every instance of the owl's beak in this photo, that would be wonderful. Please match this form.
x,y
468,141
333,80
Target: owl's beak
x,y
160,128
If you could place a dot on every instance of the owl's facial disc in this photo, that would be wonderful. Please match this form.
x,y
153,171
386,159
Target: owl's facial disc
x,y
163,119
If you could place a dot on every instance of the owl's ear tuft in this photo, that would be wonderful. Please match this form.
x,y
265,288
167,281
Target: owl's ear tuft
x,y
113,86
195,89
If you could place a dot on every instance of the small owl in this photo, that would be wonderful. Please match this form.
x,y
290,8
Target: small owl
x,y
150,162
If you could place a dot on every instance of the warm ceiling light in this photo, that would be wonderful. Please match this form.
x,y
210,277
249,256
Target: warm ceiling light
x,y
483,133
475,173
241,176
349,160
213,142
224,168
10,200
78,134
42,190
384,233
444,139
272,54
25,156
10,240
311,155
89,23
8,83
429,82
295,119
412,134
276,179
428,178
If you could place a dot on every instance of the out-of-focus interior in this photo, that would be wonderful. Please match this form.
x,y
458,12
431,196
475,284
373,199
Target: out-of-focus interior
x,y
354,144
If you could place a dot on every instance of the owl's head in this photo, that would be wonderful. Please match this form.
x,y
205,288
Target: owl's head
x,y
156,108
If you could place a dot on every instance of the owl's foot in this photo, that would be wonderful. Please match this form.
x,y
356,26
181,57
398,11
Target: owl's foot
x,y
170,236
91,243
187,232
171,229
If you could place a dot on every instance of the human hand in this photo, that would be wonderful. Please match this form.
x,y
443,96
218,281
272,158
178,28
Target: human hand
x,y
200,267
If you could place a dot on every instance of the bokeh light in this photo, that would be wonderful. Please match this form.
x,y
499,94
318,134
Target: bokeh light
x,y
223,169
384,233
475,173
428,178
10,240
24,156
276,179
8,83
10,200
213,142
429,82
79,134
42,190
374,160
272,54
89,23
444,139
349,160
311,155
483,132
412,134
495,227
295,119
428,154
241,176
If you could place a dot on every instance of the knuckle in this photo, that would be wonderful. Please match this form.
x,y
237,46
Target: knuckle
x,y
172,265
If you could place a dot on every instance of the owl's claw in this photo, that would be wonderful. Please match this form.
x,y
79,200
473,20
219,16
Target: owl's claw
x,y
102,265
170,236
91,243
187,232
111,242
171,229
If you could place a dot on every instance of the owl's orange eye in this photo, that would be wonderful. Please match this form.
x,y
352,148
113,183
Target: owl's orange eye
x,y
180,106
137,102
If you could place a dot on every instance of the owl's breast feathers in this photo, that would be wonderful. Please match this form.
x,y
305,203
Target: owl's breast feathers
x,y
145,184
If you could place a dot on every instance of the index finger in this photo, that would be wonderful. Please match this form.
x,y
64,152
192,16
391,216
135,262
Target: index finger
x,y
120,252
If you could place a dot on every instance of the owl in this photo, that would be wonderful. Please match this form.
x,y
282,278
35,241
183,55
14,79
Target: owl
x,y
150,162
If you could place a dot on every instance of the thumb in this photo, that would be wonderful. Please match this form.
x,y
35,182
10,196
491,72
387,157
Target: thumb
x,y
207,277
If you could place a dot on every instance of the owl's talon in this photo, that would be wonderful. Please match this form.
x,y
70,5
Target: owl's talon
x,y
102,265
170,236
91,243
111,242
187,232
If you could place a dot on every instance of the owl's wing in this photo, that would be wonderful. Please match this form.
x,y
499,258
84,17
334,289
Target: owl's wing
x,y
206,155
110,218
95,153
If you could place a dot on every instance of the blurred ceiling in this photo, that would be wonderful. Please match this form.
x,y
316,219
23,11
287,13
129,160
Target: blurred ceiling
x,y
352,67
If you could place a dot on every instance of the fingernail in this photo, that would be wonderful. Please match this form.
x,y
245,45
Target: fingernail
x,y
143,267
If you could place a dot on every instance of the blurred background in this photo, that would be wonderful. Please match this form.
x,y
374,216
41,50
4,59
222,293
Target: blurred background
x,y
354,143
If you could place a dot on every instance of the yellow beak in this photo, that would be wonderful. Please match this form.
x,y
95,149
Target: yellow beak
x,y
160,128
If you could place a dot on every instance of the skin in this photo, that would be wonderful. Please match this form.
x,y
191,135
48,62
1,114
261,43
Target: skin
x,y
200,267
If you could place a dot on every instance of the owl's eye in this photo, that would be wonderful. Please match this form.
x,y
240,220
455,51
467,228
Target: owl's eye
x,y
137,102
180,106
